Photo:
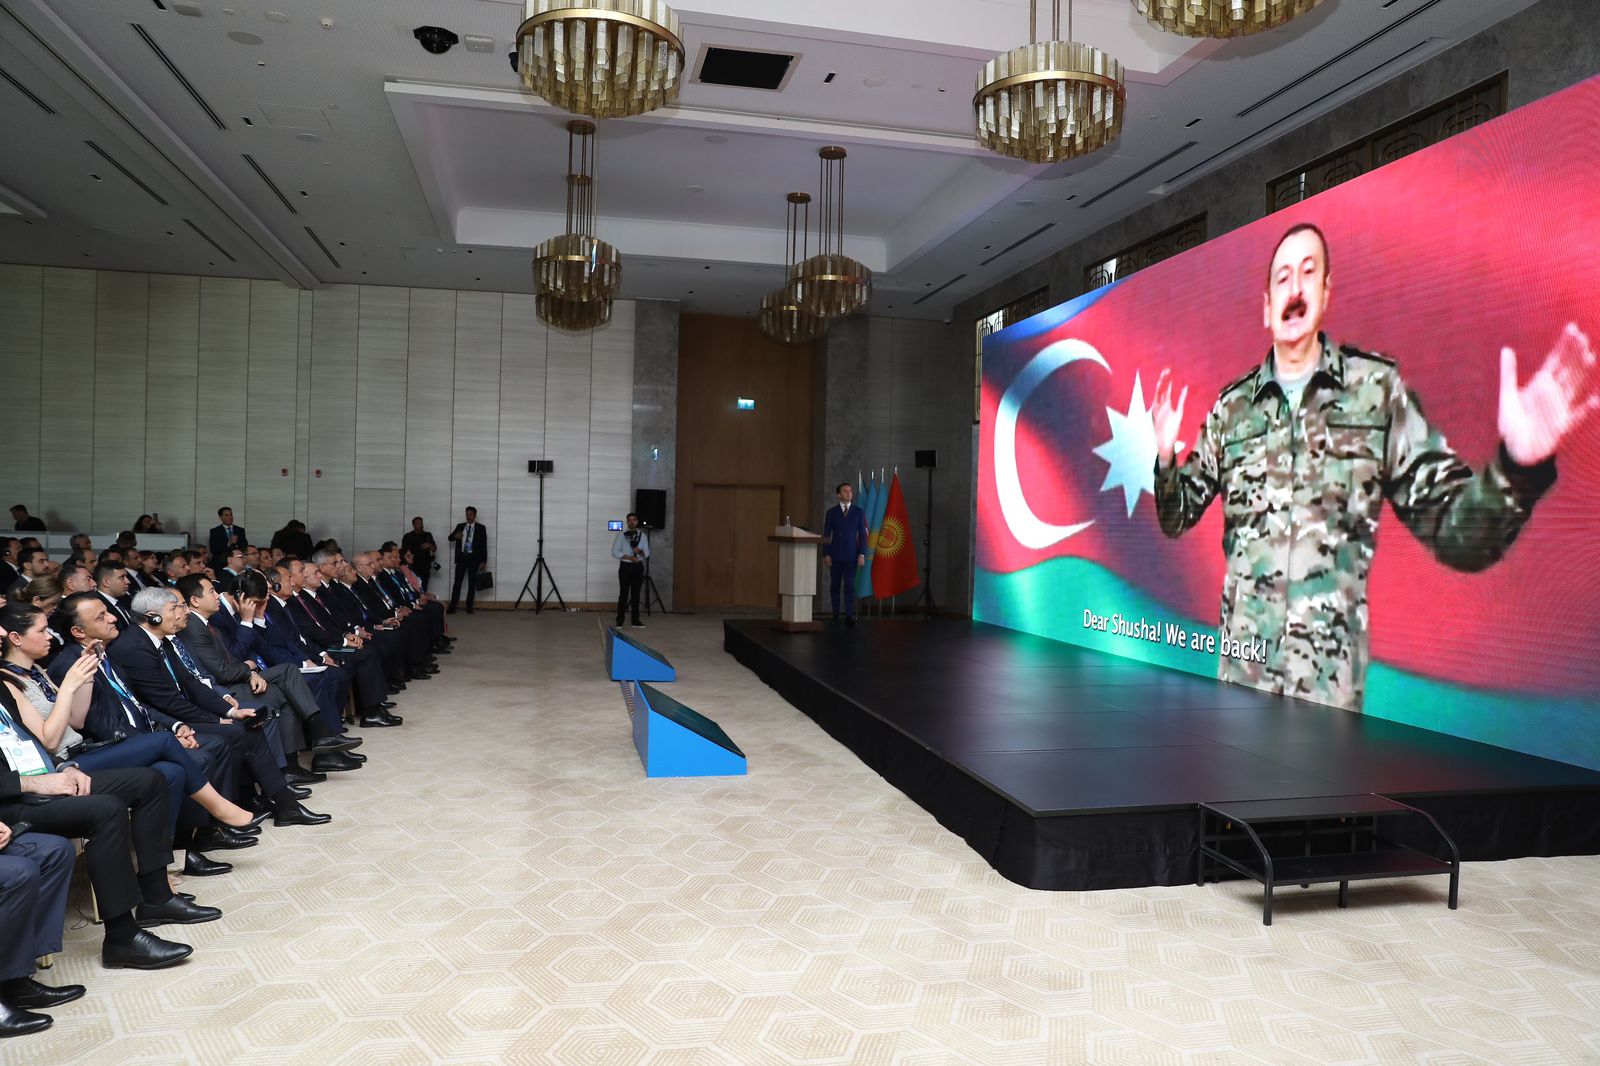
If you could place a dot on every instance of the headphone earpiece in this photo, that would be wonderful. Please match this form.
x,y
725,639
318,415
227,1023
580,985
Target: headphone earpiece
x,y
153,619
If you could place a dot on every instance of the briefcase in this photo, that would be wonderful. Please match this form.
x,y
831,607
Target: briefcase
x,y
484,579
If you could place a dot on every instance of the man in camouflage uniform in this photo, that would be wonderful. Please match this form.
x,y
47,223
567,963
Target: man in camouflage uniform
x,y
1305,448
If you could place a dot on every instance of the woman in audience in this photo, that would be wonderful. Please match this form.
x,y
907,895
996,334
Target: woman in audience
x,y
43,592
148,524
51,713
408,571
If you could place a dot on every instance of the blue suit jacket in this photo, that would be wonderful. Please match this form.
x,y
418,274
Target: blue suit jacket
x,y
846,534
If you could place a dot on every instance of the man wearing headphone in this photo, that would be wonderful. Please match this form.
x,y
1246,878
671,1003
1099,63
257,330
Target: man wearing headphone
x,y
154,666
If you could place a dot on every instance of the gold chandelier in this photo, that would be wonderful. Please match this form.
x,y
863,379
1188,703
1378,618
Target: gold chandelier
x,y
606,58
831,284
781,317
1221,18
1050,100
573,316
577,265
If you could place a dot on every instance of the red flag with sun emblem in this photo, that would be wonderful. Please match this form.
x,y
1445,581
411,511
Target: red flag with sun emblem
x,y
894,566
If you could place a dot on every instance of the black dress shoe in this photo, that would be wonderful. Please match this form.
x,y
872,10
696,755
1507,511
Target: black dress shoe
x,y
185,895
302,777
379,721
145,951
31,995
255,822
175,911
14,1021
419,675
222,839
336,763
299,792
336,744
298,815
197,865
251,830
386,704
354,755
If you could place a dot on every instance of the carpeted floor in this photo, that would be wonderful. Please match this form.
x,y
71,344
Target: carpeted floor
x,y
501,884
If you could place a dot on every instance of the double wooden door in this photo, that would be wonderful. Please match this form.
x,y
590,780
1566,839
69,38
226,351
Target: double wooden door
x,y
731,563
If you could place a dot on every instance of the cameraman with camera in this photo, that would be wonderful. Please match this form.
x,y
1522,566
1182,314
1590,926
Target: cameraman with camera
x,y
630,548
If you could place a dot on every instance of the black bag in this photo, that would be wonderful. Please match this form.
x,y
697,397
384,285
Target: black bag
x,y
483,579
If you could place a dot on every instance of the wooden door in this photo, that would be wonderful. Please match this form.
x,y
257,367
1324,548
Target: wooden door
x,y
733,564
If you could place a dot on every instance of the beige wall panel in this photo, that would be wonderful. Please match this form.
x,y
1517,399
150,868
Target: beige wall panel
x,y
301,471
330,508
274,364
21,355
169,439
475,430
67,415
381,388
522,368
610,441
121,398
566,510
224,367
430,383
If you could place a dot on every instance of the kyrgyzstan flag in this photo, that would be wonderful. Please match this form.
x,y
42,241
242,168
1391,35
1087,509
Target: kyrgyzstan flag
x,y
894,566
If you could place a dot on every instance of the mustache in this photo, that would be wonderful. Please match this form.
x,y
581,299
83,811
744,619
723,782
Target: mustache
x,y
1295,306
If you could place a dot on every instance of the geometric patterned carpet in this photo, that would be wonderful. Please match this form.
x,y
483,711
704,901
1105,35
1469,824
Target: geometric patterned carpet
x,y
501,884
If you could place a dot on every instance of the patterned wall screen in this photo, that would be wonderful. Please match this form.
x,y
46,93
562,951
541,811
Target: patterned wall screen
x,y
1447,118
1190,233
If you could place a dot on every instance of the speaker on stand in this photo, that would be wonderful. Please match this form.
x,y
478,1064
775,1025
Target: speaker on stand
x,y
540,468
927,460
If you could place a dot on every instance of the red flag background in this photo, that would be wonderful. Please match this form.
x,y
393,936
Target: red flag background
x,y
894,567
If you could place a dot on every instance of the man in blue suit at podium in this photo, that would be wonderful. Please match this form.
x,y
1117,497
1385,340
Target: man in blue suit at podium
x,y
844,532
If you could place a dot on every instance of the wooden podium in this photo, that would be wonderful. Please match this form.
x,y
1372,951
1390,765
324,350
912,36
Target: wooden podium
x,y
797,577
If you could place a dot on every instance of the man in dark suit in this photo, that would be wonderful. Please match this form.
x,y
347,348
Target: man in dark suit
x,y
26,521
472,557
244,636
35,873
225,535
844,532
287,642
111,585
389,608
152,664
319,625
386,571
8,561
116,812
232,567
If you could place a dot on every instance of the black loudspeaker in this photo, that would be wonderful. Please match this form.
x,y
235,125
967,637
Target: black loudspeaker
x,y
928,460
651,507
541,466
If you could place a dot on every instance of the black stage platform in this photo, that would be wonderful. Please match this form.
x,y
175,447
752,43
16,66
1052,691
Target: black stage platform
x,y
1072,769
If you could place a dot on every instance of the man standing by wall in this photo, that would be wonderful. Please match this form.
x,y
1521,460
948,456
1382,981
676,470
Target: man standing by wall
x,y
472,556
844,531
225,536
630,548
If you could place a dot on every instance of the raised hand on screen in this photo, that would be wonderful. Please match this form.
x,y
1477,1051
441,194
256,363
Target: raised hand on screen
x,y
1536,417
1167,418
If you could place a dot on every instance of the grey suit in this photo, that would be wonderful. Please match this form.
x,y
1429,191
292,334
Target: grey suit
x,y
286,693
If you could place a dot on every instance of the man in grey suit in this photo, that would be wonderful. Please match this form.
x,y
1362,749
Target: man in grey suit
x,y
280,687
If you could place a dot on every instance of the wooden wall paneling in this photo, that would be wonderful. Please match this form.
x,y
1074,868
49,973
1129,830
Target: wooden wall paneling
x,y
610,443
22,356
124,402
522,406
330,503
430,412
566,513
67,410
272,384
223,372
380,414
173,369
300,472
474,459
799,479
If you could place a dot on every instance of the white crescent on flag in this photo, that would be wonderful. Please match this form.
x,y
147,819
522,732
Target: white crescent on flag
x,y
1030,530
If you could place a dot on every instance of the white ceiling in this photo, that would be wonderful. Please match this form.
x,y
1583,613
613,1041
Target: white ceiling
x,y
438,171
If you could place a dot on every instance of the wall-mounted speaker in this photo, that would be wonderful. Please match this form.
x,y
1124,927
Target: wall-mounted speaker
x,y
928,460
541,466
651,507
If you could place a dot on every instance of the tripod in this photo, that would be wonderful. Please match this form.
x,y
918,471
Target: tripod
x,y
650,591
925,602
541,569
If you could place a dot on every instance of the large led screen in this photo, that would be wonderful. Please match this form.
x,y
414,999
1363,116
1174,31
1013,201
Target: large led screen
x,y
1384,491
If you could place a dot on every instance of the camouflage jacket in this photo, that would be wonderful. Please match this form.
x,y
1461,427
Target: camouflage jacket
x,y
1301,494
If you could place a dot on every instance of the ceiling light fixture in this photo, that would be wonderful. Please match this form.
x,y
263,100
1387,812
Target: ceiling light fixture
x,y
830,284
1050,100
606,58
781,317
577,265
572,316
1221,18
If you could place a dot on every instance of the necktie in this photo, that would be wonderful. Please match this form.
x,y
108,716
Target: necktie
x,y
467,547
129,703
320,611
186,659
230,534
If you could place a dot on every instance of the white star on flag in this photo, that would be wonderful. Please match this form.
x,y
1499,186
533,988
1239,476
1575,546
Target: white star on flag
x,y
1131,451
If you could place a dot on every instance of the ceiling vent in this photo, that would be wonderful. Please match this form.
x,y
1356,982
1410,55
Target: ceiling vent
x,y
103,154
25,91
932,293
172,68
208,239
744,69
